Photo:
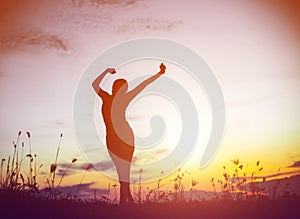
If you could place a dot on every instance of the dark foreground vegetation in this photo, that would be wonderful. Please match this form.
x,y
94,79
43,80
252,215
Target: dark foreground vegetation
x,y
23,205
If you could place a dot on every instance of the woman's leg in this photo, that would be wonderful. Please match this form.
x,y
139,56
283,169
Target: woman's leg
x,y
121,155
125,196
123,170
122,194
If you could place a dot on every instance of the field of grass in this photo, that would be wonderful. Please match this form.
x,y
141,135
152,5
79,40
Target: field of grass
x,y
22,205
239,195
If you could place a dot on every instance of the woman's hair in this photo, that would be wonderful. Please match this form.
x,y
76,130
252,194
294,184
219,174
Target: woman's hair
x,y
118,84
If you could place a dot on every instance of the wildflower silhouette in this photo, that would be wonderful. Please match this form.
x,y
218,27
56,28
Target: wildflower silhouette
x,y
119,134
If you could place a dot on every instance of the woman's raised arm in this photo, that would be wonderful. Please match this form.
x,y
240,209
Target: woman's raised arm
x,y
97,81
148,81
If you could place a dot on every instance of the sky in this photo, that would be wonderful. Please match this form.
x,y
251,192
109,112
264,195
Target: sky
x,y
252,47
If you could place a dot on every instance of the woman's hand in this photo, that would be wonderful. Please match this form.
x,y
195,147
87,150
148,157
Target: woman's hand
x,y
111,70
162,68
97,81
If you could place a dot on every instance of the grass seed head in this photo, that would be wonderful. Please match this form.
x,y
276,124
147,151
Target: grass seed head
x,y
52,168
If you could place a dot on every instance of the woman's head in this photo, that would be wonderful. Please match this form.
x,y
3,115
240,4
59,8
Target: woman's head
x,y
120,85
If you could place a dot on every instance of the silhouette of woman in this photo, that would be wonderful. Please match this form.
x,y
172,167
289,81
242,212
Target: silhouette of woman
x,y
119,135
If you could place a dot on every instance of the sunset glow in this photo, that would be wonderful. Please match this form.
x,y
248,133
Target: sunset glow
x,y
252,47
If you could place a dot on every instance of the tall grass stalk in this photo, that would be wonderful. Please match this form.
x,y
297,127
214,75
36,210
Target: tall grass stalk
x,y
81,180
66,170
54,166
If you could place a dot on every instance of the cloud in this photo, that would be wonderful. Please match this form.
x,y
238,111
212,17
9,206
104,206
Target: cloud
x,y
76,186
148,24
68,169
295,164
90,13
59,123
103,165
65,165
279,174
90,148
295,156
162,151
61,172
151,156
287,185
55,124
35,39
83,190
97,3
266,177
